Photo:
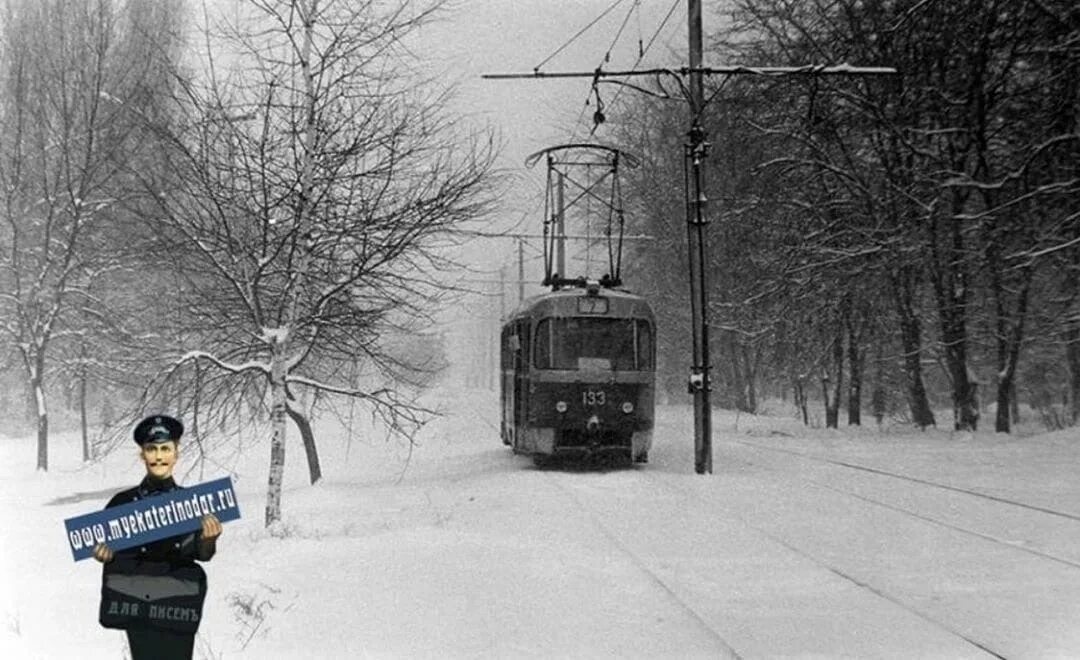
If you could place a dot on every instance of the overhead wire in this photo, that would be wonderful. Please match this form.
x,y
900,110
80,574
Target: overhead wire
x,y
663,24
580,32
607,58
640,49
626,19
598,116
642,52
612,7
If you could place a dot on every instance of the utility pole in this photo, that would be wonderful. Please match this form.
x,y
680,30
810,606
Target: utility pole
x,y
696,149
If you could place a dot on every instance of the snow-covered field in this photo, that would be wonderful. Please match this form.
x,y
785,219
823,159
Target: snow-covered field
x,y
804,543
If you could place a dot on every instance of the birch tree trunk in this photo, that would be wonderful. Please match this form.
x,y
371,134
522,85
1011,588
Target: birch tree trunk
x,y
34,363
40,407
308,14
278,411
279,361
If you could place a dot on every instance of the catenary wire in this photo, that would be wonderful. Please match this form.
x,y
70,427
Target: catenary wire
x,y
626,19
642,52
579,33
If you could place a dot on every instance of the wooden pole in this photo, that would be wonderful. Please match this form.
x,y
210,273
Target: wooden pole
x,y
696,150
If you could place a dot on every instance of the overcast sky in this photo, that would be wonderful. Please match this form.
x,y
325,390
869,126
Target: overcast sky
x,y
515,36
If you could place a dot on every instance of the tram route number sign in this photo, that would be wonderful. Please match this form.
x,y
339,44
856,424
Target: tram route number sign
x,y
592,305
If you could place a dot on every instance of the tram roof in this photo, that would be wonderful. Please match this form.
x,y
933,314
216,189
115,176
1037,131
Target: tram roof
x,y
533,304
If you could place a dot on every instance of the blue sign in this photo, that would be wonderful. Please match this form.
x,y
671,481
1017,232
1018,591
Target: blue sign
x,y
152,518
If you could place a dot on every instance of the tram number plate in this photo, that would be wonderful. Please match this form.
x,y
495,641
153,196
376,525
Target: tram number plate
x,y
593,398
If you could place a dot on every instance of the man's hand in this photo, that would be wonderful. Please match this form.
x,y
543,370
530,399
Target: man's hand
x,y
103,553
211,530
211,527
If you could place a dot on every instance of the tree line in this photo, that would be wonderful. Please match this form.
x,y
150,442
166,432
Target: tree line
x,y
904,244
236,217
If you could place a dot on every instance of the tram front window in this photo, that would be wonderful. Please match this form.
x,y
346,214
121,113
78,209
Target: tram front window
x,y
593,344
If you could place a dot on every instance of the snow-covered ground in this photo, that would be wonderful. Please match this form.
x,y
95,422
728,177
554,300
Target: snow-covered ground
x,y
804,543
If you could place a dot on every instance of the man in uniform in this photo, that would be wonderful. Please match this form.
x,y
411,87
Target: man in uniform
x,y
162,576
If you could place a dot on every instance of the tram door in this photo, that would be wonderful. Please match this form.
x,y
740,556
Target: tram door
x,y
514,380
521,376
507,368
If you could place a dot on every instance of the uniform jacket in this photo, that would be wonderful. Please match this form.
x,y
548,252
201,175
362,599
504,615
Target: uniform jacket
x,y
157,585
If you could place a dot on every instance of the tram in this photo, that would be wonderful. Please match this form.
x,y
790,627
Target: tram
x,y
578,375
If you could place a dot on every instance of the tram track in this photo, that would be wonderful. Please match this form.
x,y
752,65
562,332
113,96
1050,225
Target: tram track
x,y
671,592
917,480
838,571
586,495
956,528
922,516
567,488
893,591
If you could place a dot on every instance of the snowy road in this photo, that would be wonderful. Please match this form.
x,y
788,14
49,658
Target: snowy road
x,y
804,543
997,571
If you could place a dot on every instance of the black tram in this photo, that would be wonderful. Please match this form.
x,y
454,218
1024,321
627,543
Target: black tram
x,y
578,375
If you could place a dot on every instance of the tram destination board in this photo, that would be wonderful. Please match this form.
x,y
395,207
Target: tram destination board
x,y
592,305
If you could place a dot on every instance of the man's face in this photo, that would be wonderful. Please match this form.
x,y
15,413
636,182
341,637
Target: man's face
x,y
160,457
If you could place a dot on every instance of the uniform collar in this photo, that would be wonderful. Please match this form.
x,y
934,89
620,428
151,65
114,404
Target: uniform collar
x,y
151,485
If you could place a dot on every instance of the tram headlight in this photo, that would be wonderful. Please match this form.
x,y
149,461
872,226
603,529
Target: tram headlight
x,y
561,406
627,407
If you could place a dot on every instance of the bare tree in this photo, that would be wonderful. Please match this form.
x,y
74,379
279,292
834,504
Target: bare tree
x,y
309,191
948,163
948,192
64,144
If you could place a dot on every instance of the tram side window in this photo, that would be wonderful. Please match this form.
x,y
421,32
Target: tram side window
x,y
644,345
542,355
519,345
523,335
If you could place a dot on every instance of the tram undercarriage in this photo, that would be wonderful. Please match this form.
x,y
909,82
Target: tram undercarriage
x,y
546,445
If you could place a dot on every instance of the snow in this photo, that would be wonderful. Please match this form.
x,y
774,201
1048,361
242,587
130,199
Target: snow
x,y
275,335
39,399
256,365
857,543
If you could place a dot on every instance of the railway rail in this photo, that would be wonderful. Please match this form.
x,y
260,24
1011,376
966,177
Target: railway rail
x,y
619,530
